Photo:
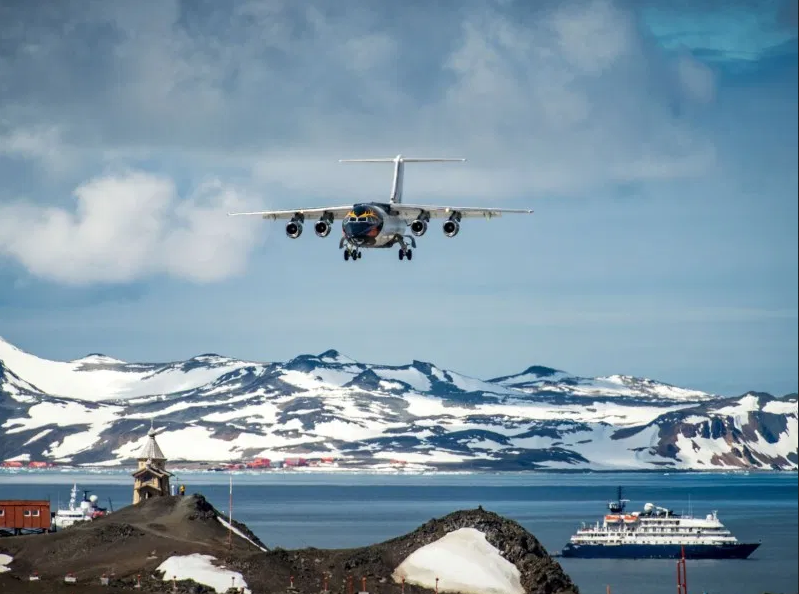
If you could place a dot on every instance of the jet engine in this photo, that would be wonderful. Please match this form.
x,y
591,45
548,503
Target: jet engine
x,y
294,229
418,227
322,228
451,228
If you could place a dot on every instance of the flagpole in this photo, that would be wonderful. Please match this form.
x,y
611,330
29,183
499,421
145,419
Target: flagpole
x,y
230,515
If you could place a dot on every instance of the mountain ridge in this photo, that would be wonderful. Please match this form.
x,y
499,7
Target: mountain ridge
x,y
96,410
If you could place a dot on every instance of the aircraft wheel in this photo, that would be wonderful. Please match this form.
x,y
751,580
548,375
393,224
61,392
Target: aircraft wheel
x,y
409,254
346,254
360,254
401,254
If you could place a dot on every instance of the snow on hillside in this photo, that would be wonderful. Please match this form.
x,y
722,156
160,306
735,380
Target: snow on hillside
x,y
538,380
210,408
99,378
461,561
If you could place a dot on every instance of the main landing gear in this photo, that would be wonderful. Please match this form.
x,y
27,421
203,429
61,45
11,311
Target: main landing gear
x,y
405,251
355,254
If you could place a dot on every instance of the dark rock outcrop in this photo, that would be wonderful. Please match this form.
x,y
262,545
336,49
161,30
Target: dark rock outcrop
x,y
540,573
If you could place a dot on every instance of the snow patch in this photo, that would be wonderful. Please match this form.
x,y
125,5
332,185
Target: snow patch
x,y
199,568
335,377
62,414
463,561
742,408
98,359
413,377
238,532
37,436
4,561
781,407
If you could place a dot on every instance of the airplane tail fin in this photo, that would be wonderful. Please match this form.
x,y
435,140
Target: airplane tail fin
x,y
399,170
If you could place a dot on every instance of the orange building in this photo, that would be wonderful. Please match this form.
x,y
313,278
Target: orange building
x,y
24,515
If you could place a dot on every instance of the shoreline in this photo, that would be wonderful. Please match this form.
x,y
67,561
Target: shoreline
x,y
310,470
126,470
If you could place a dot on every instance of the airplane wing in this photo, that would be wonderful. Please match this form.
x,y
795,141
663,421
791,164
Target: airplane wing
x,y
335,212
409,212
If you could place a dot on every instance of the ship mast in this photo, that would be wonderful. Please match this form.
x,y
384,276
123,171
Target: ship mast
x,y
617,507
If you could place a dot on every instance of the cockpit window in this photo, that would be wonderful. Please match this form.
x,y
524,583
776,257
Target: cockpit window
x,y
361,215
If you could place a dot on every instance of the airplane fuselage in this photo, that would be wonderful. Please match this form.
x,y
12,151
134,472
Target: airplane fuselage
x,y
371,225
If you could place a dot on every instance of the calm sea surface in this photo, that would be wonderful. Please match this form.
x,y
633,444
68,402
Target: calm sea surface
x,y
295,510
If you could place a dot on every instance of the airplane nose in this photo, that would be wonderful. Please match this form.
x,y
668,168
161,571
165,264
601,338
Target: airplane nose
x,y
360,230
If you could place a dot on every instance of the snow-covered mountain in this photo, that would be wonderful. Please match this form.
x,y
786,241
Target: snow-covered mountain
x,y
212,408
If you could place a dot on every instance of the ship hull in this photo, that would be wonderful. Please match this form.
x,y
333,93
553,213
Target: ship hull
x,y
659,551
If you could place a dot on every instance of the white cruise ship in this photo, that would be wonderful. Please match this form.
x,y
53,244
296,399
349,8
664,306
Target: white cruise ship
x,y
655,533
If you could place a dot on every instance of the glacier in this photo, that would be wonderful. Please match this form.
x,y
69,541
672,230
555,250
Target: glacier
x,y
96,411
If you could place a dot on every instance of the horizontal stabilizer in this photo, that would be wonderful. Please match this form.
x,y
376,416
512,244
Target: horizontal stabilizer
x,y
402,159
399,165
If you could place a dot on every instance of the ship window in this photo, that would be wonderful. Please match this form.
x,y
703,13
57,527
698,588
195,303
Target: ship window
x,y
36,513
2,512
26,513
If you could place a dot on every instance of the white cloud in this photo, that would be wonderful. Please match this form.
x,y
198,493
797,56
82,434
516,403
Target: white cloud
x,y
128,226
592,37
39,143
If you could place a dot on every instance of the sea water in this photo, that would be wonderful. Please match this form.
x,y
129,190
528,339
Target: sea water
x,y
299,509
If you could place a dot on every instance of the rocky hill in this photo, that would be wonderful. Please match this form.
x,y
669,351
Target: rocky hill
x,y
186,538
96,410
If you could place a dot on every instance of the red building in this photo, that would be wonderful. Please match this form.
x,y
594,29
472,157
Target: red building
x,y
260,463
24,515
38,464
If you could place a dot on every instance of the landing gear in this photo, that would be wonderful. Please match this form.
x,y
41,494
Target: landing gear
x,y
405,251
355,254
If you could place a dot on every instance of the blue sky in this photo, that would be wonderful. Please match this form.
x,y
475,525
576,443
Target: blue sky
x,y
656,141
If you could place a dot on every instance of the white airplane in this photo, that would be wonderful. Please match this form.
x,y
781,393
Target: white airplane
x,y
378,224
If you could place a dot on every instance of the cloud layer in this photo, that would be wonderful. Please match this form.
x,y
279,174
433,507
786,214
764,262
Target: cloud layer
x,y
551,99
545,99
